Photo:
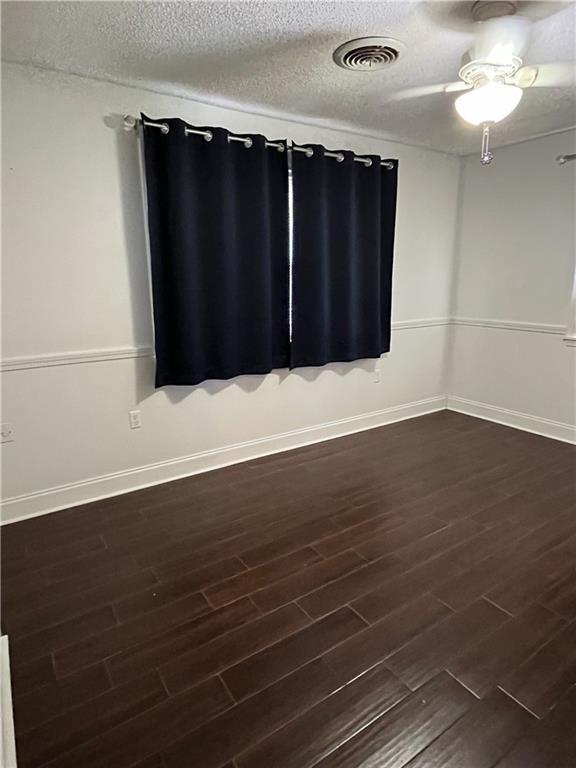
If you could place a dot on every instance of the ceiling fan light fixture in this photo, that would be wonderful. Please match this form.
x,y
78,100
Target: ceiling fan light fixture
x,y
488,103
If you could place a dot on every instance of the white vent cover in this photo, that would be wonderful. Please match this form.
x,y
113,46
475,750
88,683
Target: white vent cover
x,y
367,54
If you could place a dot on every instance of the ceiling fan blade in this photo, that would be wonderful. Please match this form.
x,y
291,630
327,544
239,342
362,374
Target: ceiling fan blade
x,y
555,74
428,90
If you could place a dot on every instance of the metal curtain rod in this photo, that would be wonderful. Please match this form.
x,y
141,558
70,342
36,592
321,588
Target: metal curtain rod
x,y
561,159
340,157
131,122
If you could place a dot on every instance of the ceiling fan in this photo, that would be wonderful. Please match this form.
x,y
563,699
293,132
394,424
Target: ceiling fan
x,y
493,78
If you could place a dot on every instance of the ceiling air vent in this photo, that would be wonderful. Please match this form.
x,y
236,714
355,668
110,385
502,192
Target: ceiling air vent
x,y
367,54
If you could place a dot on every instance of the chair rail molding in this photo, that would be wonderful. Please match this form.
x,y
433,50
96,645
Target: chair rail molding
x,y
510,325
73,358
127,353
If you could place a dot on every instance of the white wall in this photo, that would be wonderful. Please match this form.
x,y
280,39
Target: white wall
x,y
76,289
514,277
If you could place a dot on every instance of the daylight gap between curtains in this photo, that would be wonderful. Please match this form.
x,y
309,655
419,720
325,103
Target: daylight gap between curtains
x,y
218,218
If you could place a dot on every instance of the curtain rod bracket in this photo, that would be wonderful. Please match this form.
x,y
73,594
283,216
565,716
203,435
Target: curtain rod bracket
x,y
130,123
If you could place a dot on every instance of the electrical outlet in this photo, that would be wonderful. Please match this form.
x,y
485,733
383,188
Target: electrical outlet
x,y
7,433
377,372
135,418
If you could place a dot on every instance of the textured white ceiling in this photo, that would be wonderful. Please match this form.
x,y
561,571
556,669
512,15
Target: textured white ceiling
x,y
276,57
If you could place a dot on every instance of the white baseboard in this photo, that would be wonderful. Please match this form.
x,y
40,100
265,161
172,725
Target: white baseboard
x,y
8,741
95,488
524,421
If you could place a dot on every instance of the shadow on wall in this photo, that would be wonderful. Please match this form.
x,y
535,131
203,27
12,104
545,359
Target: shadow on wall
x,y
252,383
127,150
144,380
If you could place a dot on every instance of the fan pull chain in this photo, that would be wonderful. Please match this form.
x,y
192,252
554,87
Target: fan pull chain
x,y
485,154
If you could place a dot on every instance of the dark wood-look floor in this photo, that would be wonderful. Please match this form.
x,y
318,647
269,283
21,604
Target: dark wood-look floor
x,y
404,596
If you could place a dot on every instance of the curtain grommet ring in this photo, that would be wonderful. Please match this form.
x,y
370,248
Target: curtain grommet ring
x,y
368,163
309,152
340,158
281,148
164,127
248,143
208,136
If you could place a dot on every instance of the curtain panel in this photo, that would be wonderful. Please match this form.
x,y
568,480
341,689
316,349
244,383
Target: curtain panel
x,y
343,244
218,226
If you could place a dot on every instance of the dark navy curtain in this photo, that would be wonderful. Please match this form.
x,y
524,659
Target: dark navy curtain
x,y
344,219
218,224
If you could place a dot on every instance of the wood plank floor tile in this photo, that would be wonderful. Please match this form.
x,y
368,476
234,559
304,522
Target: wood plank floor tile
x,y
96,716
307,580
550,743
169,591
480,578
547,675
523,508
430,652
486,663
195,665
294,539
436,543
63,553
256,578
151,731
94,564
533,582
307,739
174,568
253,719
381,503
57,697
157,762
292,652
479,738
117,638
64,608
390,541
25,649
393,739
33,675
561,597
341,591
412,582
191,547
153,652
370,646
350,537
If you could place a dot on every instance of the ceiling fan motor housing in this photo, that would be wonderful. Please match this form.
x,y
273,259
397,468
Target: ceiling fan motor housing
x,y
497,50
482,10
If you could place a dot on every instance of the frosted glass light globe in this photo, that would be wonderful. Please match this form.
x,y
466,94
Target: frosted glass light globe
x,y
489,103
